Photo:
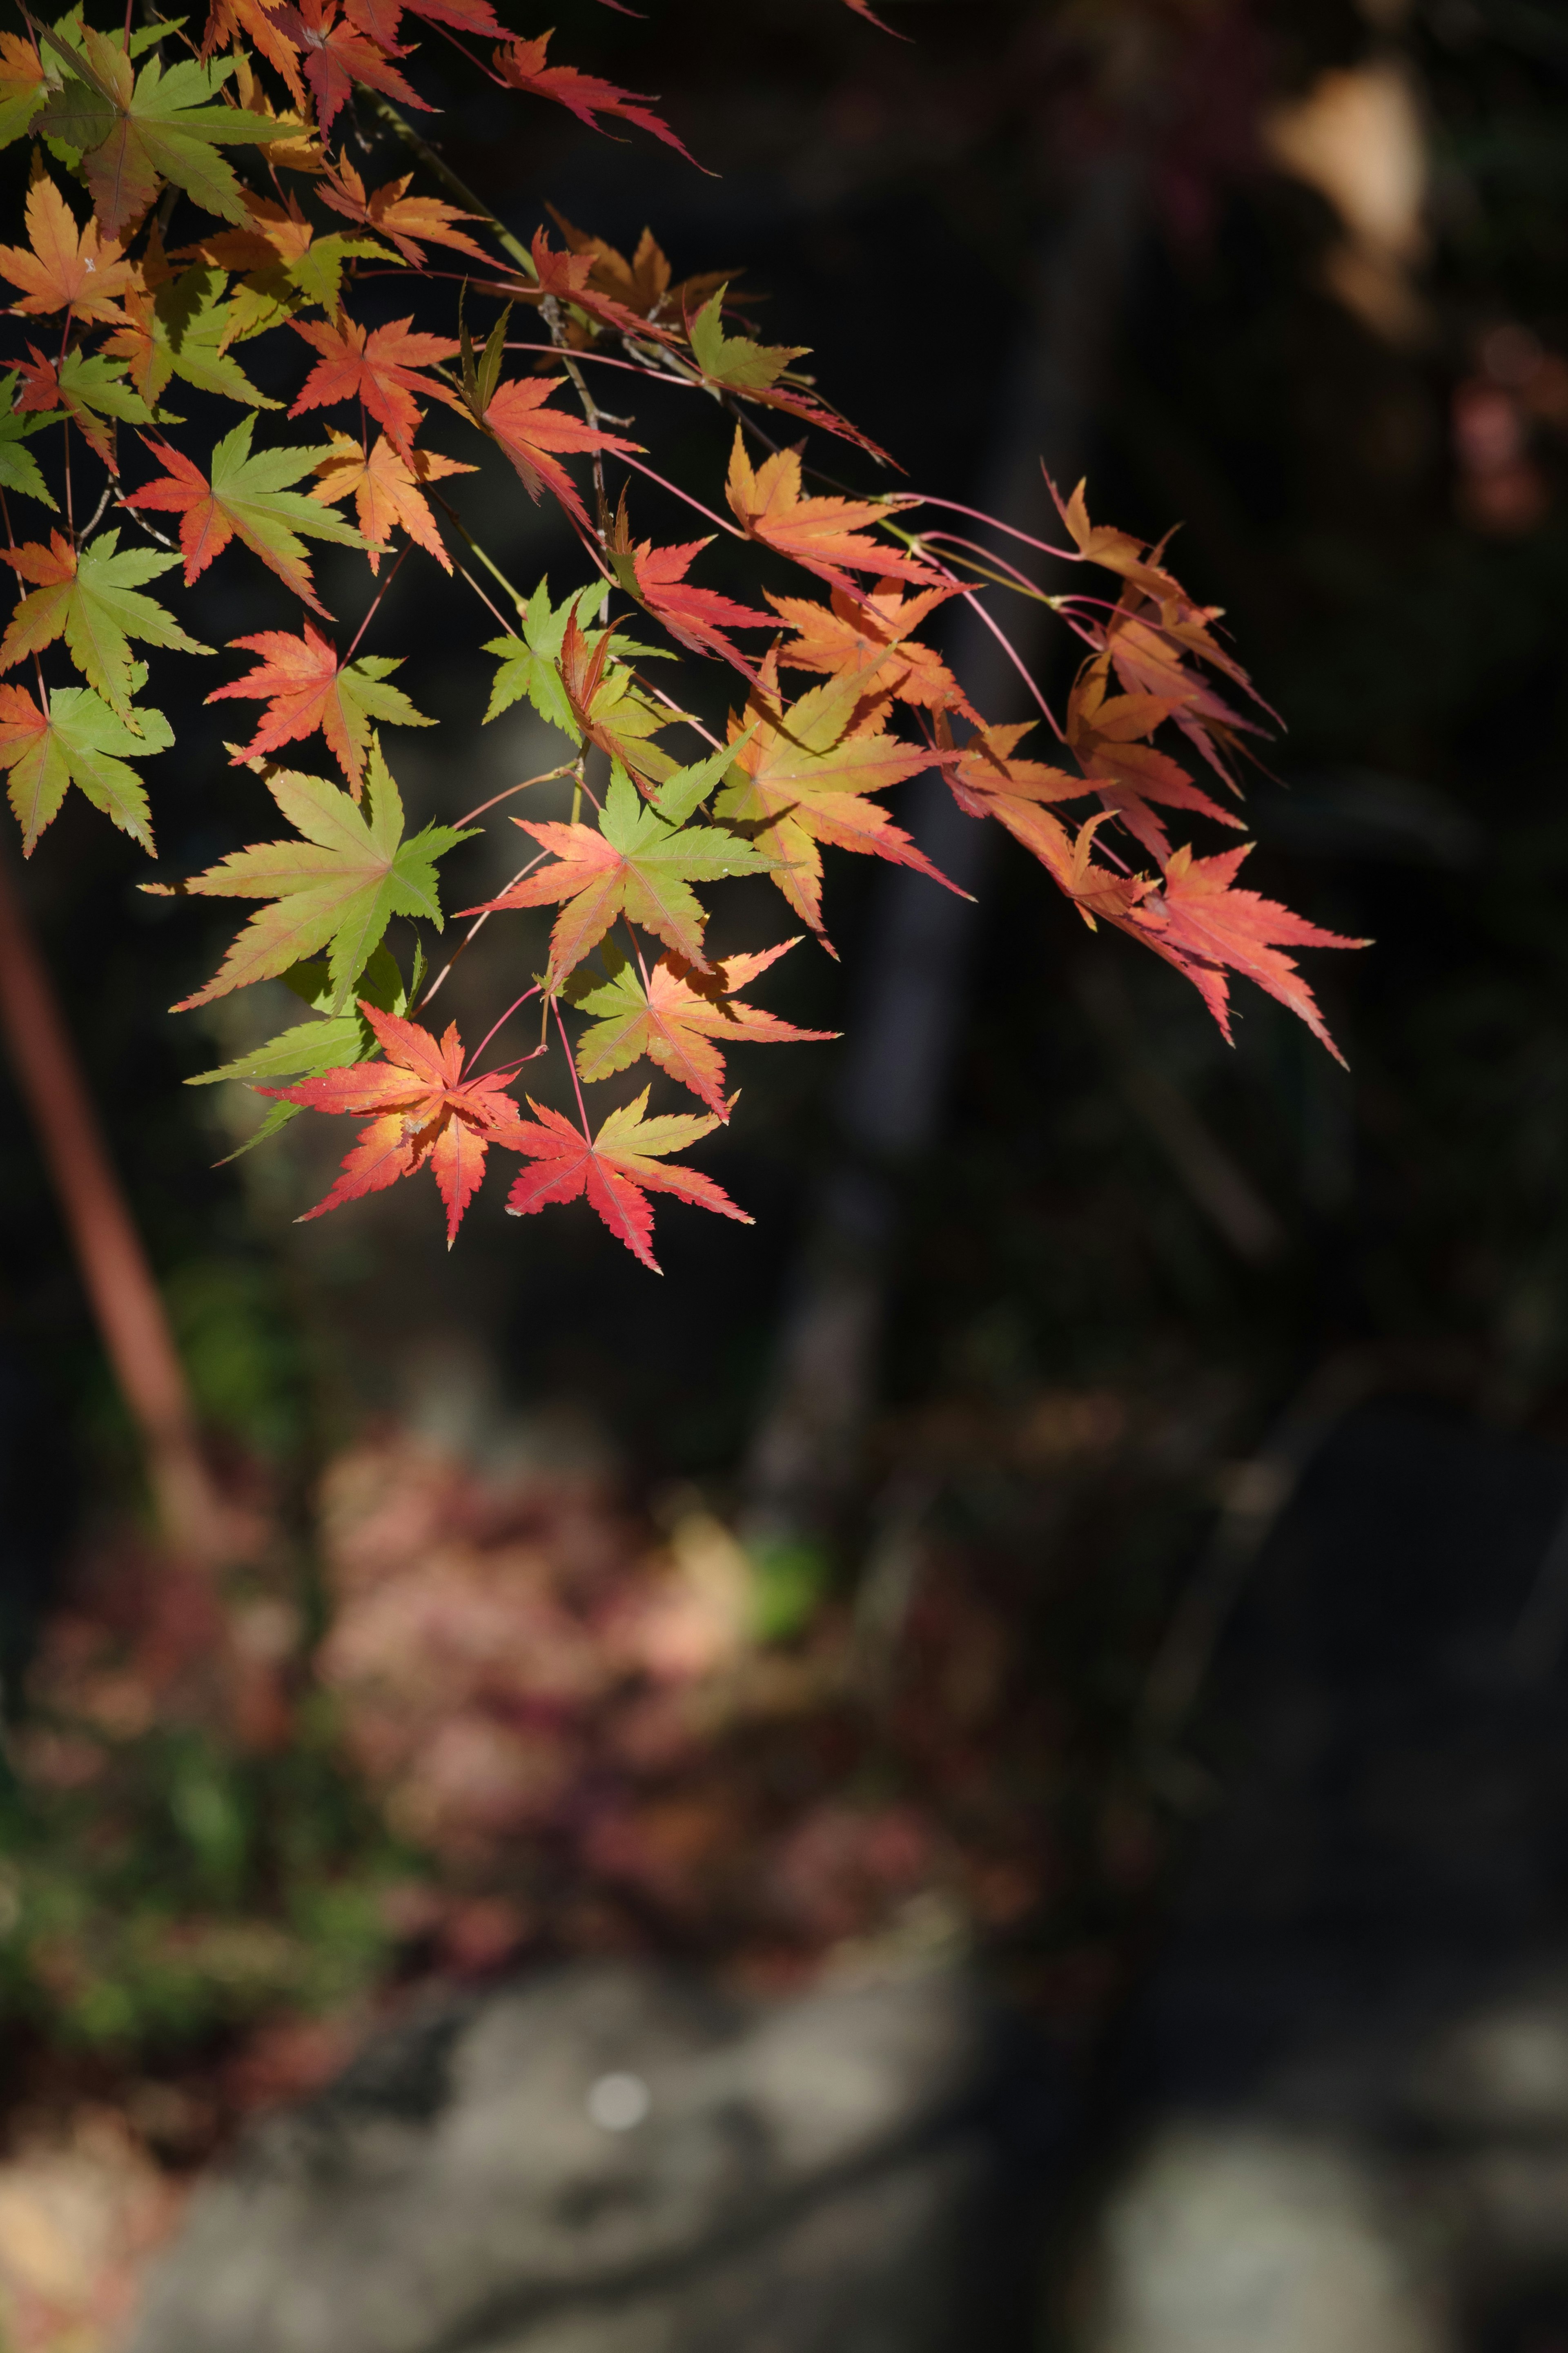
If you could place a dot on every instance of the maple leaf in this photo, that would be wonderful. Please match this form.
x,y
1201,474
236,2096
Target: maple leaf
x,y
282,261
246,498
607,705
987,779
68,269
854,632
570,278
90,600
378,20
90,389
694,617
133,132
1105,733
329,1043
804,776
522,64
640,863
734,362
411,221
336,57
77,740
616,1169
1203,925
679,1018
234,24
19,467
341,883
424,1113
382,369
183,329
386,493
23,89
642,285
305,687
530,665
824,536
535,437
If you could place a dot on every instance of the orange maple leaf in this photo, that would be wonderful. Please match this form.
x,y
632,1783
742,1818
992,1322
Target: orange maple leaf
x,y
987,779
522,64
823,535
535,438
805,774
305,686
382,369
1202,925
680,1019
570,278
232,23
411,221
616,1169
68,269
856,631
1106,734
425,1111
386,493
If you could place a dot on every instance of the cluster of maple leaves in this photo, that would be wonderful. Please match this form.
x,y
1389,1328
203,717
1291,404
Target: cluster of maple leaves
x,y
150,142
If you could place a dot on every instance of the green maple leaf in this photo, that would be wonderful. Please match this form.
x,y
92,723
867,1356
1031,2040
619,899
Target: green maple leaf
x,y
247,497
529,663
735,360
336,888
638,864
19,467
328,1043
133,132
92,600
78,741
185,331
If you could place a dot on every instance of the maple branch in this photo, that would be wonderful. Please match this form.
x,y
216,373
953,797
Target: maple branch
x,y
492,566
475,928
549,776
506,1016
1019,664
669,703
676,492
433,161
572,1066
924,499
375,601
130,1313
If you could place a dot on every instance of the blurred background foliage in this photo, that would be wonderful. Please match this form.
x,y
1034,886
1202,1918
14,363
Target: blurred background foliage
x,y
501,1680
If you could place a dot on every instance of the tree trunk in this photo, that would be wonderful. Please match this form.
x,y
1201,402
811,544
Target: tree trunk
x,y
915,962
114,1265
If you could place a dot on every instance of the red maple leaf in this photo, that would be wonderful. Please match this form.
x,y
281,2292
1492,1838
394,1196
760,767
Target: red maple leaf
x,y
380,369
616,1169
423,1110
336,57
378,20
694,617
305,686
521,63
568,277
1199,923
532,436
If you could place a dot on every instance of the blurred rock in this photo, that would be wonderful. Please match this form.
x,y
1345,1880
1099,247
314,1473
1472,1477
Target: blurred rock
x,y
1344,2094
606,2158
